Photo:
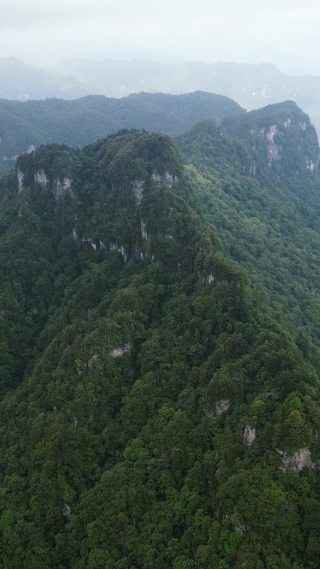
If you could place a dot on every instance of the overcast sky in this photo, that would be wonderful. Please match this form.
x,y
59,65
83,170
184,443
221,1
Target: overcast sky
x,y
283,32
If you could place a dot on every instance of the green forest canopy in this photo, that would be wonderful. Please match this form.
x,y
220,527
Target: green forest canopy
x,y
266,214
24,126
162,401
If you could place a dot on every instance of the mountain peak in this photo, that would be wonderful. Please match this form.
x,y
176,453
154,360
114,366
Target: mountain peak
x,y
280,136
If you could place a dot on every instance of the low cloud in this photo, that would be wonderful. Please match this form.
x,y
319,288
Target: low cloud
x,y
277,31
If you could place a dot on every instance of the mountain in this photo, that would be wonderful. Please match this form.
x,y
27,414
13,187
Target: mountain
x,y
251,85
23,126
21,81
166,417
278,136
258,185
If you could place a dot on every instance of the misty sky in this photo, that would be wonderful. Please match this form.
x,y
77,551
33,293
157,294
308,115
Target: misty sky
x,y
283,32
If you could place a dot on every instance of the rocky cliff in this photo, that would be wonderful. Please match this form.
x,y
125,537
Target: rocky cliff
x,y
279,137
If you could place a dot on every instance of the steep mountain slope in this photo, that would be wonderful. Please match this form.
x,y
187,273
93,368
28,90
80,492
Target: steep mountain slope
x,y
258,184
77,123
158,423
21,81
280,137
251,85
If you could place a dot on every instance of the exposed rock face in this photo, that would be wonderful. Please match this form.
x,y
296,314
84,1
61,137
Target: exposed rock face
x,y
249,436
76,236
208,414
66,511
136,253
103,245
310,165
222,406
271,132
273,149
122,250
241,529
41,179
143,230
20,176
298,461
91,361
281,138
211,279
164,179
80,240
118,352
140,255
273,153
60,187
137,188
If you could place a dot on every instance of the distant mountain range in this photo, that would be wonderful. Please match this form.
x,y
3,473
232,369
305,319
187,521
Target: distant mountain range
x,y
24,126
20,81
253,86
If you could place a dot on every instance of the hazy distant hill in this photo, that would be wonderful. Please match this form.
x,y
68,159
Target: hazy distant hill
x,y
20,81
24,126
251,85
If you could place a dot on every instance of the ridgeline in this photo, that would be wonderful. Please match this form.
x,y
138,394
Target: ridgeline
x,y
25,126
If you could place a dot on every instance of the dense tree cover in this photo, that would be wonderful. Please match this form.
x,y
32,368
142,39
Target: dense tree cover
x,y
266,215
280,136
80,122
161,398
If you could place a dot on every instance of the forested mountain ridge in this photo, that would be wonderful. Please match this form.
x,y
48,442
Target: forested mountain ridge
x,y
280,136
262,197
24,126
166,420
